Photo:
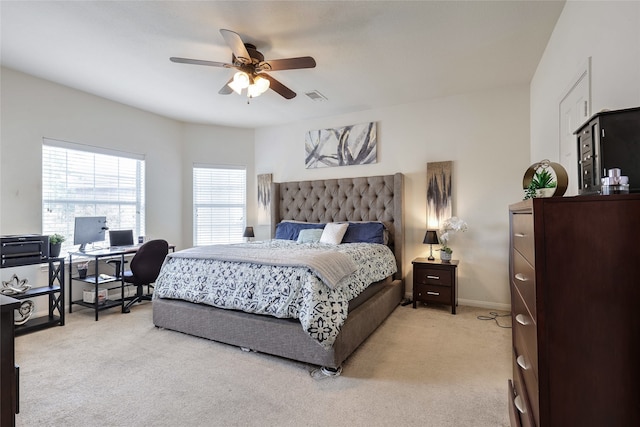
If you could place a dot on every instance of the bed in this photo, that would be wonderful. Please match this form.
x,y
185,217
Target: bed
x,y
363,199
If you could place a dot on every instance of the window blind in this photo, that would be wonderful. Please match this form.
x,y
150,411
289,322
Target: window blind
x,y
79,180
219,204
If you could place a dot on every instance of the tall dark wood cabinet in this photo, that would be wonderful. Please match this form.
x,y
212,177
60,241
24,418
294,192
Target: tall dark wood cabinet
x,y
575,297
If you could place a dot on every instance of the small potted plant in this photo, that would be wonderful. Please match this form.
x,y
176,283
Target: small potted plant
x,y
82,269
542,184
55,244
448,228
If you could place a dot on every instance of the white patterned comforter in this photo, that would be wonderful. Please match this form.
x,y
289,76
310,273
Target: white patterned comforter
x,y
280,291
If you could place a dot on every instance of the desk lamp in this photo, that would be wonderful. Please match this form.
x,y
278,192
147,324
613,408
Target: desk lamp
x,y
431,238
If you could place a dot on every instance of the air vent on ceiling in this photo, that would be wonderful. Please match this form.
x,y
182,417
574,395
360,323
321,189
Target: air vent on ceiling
x,y
316,96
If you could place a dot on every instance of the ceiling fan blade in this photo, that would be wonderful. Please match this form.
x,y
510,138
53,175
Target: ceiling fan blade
x,y
226,90
237,46
288,64
200,62
278,87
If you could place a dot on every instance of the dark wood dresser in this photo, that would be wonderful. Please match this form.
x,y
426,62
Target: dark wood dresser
x,y
575,300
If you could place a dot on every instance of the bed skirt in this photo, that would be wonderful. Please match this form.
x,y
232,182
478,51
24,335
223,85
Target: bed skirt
x,y
279,337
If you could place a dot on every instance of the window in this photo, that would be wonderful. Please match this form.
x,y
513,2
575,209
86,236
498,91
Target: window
x,y
219,204
79,180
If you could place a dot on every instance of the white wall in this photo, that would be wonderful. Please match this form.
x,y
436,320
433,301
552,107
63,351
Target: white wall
x,y
484,134
219,146
32,108
609,33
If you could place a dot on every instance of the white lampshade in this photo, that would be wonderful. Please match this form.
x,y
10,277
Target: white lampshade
x,y
259,86
262,83
240,81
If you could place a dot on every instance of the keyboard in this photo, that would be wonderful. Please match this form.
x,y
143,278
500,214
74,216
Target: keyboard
x,y
124,248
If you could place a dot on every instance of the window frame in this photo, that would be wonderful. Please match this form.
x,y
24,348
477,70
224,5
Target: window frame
x,y
103,199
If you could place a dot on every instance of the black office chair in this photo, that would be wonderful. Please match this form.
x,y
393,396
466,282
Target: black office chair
x,y
144,269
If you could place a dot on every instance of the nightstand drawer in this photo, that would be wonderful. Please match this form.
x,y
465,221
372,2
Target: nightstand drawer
x,y
432,276
441,294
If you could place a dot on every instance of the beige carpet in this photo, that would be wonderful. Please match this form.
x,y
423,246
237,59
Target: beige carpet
x,y
422,367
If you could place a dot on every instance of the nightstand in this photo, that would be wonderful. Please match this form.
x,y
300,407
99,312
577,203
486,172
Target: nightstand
x,y
435,282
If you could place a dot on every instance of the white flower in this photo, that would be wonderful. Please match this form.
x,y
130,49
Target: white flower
x,y
449,227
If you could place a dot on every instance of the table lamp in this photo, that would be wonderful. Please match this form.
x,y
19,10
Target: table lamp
x,y
431,238
248,233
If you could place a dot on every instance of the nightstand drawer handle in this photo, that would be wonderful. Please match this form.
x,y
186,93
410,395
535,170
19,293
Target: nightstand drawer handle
x,y
520,235
522,319
519,404
433,293
522,362
521,277
433,277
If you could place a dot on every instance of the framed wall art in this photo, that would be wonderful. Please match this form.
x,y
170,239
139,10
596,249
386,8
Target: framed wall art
x,y
344,146
264,198
438,193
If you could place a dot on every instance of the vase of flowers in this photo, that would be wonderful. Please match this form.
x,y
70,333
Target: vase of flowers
x,y
447,229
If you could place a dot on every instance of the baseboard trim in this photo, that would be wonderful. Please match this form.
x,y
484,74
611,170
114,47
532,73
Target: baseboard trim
x,y
484,304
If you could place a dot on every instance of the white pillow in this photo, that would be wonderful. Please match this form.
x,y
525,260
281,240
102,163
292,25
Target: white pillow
x,y
333,233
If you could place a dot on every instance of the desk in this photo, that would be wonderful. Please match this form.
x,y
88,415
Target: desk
x,y
101,281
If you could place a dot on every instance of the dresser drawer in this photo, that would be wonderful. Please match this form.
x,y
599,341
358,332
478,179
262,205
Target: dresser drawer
x,y
440,294
514,414
524,280
522,228
520,399
432,276
525,338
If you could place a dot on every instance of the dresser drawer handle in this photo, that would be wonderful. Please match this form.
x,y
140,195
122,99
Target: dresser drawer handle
x,y
522,319
521,277
433,293
519,404
520,235
433,277
522,362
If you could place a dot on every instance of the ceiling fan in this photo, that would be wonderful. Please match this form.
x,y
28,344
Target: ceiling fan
x,y
252,68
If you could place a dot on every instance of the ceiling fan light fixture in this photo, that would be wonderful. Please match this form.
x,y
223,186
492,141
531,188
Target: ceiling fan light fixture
x,y
261,83
240,81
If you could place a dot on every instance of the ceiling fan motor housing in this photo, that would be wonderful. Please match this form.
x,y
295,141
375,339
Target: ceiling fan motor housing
x,y
256,57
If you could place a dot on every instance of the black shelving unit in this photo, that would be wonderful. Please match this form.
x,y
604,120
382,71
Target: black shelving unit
x,y
107,282
55,293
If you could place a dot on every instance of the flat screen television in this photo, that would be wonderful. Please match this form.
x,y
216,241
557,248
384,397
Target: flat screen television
x,y
89,229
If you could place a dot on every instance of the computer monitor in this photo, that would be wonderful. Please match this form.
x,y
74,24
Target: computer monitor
x,y
89,229
120,238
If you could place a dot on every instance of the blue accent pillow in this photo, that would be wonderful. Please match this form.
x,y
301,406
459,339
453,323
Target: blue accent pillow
x,y
366,232
290,230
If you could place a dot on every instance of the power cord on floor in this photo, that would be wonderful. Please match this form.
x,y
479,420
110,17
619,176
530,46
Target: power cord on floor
x,y
494,316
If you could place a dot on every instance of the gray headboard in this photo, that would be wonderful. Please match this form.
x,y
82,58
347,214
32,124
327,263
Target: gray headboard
x,y
373,198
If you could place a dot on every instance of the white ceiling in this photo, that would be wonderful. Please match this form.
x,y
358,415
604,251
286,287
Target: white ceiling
x,y
369,54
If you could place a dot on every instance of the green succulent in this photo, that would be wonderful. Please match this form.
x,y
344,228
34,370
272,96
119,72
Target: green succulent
x,y
54,239
543,179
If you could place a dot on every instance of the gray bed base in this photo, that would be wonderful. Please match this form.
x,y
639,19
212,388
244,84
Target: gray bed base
x,y
377,198
279,337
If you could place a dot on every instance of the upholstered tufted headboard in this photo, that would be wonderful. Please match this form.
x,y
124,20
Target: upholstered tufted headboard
x,y
373,198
